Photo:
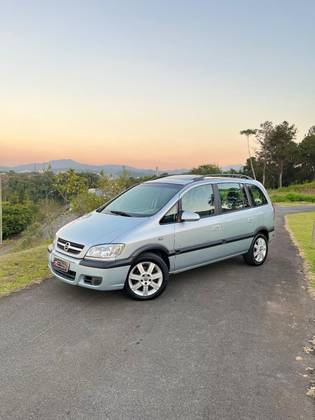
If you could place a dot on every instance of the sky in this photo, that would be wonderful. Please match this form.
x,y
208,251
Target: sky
x,y
151,83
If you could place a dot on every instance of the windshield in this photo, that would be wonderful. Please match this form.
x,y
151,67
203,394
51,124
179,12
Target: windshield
x,y
143,200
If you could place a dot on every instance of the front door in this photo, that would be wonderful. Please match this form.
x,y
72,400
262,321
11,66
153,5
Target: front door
x,y
198,242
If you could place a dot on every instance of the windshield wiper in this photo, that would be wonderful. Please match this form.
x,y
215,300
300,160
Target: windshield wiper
x,y
120,213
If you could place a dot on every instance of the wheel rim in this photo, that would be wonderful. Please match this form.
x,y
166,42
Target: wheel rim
x,y
145,279
260,250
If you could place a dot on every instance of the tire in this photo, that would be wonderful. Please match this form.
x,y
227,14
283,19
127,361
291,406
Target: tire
x,y
258,251
147,277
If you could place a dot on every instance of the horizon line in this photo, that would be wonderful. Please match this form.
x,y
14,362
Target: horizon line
x,y
6,165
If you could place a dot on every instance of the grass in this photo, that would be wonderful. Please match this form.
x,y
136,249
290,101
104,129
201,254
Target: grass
x,y
23,258
306,188
20,269
301,226
292,197
296,193
294,203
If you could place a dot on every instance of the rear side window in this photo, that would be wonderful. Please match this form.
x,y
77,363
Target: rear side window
x,y
233,197
257,195
199,200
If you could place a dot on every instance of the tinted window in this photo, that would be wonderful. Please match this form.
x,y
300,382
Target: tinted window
x,y
143,200
171,216
199,200
257,195
233,197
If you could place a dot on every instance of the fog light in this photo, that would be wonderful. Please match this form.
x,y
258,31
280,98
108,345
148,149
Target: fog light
x,y
92,280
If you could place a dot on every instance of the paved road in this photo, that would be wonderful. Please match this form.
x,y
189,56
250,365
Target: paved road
x,y
219,344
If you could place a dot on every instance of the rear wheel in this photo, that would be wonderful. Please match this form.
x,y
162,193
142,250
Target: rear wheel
x,y
258,251
147,277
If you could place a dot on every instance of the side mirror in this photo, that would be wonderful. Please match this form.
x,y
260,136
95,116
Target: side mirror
x,y
189,216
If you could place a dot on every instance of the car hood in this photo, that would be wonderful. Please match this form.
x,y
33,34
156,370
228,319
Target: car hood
x,y
97,228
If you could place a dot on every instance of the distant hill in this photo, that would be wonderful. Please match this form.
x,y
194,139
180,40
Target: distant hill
x,y
65,164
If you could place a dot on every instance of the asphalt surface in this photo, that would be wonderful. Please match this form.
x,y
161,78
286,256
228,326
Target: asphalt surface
x,y
220,343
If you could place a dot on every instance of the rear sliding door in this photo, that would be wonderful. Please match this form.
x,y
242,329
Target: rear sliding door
x,y
236,218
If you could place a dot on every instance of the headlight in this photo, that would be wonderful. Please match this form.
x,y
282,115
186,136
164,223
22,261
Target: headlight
x,y
104,252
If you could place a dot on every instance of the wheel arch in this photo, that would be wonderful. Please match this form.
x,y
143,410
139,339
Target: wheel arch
x,y
264,230
159,250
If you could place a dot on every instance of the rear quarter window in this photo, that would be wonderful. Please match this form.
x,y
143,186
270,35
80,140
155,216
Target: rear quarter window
x,y
233,197
257,196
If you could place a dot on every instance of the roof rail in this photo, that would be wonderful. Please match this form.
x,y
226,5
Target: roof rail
x,y
228,176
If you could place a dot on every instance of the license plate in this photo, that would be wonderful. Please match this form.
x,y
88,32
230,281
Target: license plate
x,y
61,265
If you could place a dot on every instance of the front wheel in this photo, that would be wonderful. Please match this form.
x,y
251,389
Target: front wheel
x,y
258,250
147,277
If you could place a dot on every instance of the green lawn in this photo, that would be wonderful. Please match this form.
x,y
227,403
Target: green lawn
x,y
303,193
301,226
19,269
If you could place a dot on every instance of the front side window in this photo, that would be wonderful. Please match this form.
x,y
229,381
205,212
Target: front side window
x,y
233,197
144,200
257,195
199,200
171,216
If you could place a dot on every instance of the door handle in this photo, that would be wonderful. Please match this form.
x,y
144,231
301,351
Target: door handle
x,y
250,219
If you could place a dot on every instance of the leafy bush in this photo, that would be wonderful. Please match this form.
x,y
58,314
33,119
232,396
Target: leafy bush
x,y
86,202
16,217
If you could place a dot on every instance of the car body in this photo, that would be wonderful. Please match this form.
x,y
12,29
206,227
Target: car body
x,y
204,219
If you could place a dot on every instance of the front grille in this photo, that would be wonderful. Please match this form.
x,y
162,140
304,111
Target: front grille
x,y
69,247
69,275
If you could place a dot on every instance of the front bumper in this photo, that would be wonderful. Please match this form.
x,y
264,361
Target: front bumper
x,y
79,275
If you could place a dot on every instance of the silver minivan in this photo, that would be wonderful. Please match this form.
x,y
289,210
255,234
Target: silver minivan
x,y
161,227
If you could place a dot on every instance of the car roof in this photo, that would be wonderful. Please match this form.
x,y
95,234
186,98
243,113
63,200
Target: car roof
x,y
177,179
190,179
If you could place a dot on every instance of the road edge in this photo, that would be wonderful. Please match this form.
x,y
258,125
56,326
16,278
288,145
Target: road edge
x,y
306,269
34,283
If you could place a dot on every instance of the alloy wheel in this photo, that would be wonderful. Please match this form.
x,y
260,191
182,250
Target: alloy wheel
x,y
145,279
260,250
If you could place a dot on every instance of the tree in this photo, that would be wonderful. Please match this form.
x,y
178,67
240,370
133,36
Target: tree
x,y
306,153
210,168
249,132
263,136
113,186
91,179
69,184
282,148
311,131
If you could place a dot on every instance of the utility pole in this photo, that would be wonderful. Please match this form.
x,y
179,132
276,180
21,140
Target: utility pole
x,y
0,210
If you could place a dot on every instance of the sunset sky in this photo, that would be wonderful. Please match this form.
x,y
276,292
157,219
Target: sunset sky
x,y
151,83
